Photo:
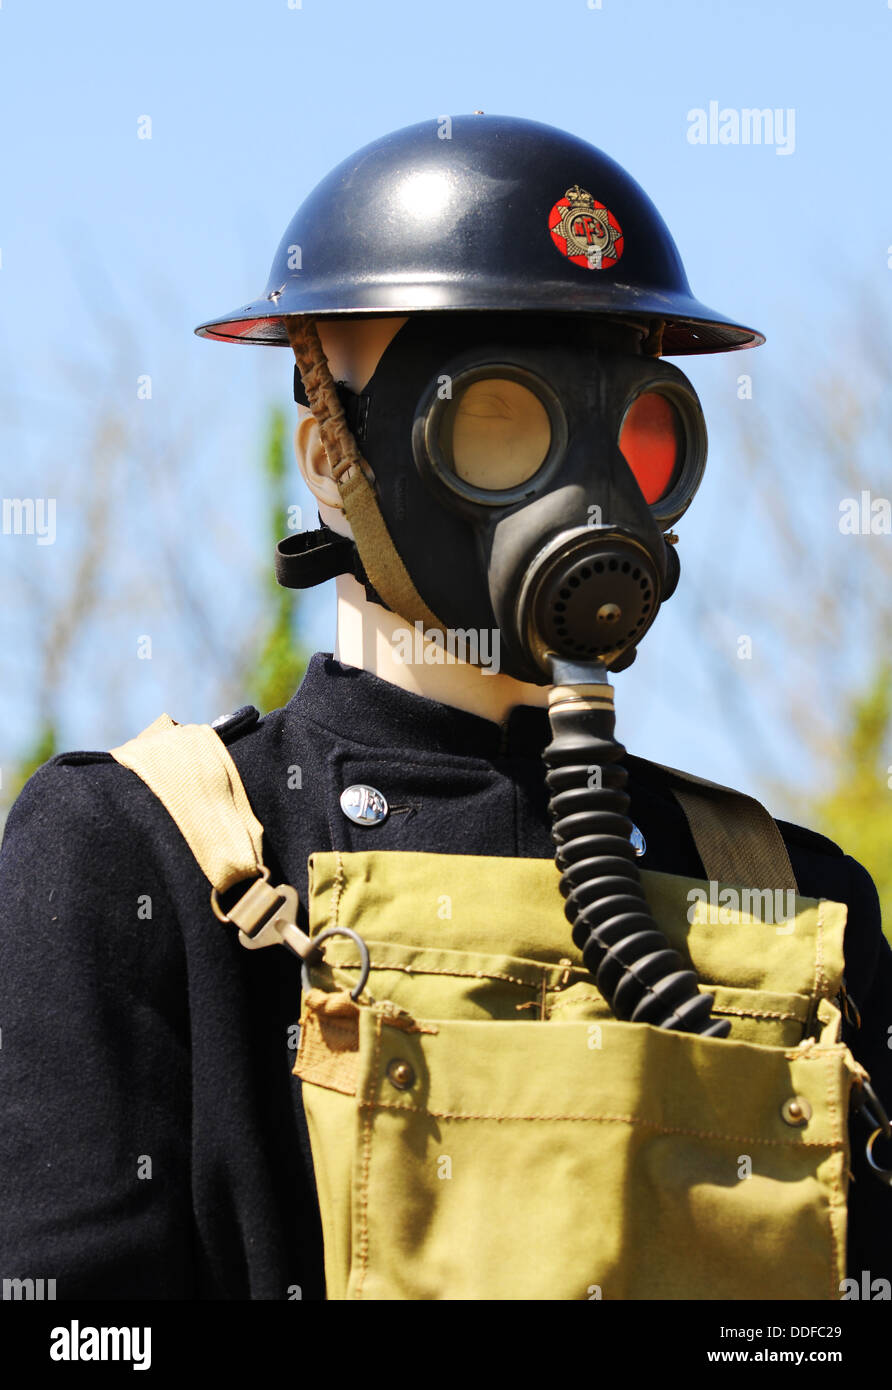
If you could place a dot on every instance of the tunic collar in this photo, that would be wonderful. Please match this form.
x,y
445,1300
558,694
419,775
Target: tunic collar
x,y
363,708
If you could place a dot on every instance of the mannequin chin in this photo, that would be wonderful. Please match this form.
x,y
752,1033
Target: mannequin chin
x,y
369,636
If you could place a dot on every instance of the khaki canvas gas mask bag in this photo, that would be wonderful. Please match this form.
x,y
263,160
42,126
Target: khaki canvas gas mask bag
x,y
483,1128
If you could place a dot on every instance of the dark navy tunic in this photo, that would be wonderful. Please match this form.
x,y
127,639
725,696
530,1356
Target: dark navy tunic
x,y
152,1139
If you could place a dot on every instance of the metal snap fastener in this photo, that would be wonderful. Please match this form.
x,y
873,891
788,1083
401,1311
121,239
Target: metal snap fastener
x,y
364,805
639,844
796,1111
400,1074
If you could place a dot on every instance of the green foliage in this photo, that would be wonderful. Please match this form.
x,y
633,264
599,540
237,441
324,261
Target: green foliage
x,y
43,747
282,658
856,811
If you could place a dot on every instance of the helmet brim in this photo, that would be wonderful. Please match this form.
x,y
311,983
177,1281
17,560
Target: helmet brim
x,y
690,327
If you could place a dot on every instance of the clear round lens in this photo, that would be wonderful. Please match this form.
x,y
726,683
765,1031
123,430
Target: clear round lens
x,y
495,434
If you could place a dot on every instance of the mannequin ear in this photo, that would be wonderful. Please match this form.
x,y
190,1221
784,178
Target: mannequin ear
x,y
313,463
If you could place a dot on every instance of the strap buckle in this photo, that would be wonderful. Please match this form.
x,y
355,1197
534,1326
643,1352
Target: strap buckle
x,y
266,916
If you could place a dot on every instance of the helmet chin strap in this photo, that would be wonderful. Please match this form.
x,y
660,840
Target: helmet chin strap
x,y
386,572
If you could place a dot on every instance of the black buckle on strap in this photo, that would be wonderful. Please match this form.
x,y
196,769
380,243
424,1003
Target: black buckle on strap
x,y
356,405
312,557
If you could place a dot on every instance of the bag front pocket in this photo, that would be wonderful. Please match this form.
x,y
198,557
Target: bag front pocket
x,y
487,1129
503,1160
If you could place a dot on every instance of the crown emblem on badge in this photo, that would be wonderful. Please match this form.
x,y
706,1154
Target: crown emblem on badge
x,y
580,200
585,231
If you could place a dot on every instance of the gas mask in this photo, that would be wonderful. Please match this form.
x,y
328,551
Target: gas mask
x,y
527,469
525,473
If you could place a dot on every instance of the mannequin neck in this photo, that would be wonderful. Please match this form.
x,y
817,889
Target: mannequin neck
x,y
375,640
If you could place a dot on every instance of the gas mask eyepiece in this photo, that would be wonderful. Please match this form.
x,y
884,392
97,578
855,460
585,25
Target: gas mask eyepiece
x,y
492,435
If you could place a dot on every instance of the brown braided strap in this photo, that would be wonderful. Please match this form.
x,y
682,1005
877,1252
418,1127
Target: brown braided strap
x,y
386,571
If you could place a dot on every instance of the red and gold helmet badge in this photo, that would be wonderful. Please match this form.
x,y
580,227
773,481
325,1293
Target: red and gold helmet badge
x,y
584,230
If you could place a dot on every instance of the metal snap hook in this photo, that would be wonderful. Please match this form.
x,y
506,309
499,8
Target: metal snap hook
x,y
366,963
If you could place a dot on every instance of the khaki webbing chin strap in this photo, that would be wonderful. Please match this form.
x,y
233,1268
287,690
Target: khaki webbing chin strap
x,y
190,770
386,572
736,838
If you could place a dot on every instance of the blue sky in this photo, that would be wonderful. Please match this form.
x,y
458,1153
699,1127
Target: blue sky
x,y
251,103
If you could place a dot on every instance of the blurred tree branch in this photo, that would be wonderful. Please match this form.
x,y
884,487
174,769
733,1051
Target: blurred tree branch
x,y
153,541
805,453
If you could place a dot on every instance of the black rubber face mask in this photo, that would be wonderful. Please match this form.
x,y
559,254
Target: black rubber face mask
x,y
526,469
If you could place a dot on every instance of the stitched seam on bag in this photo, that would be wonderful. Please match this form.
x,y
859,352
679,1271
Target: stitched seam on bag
x,y
762,1014
580,999
337,888
366,1165
586,998
459,974
488,975
811,1051
820,978
831,1104
756,1013
610,1119
393,1016
835,1190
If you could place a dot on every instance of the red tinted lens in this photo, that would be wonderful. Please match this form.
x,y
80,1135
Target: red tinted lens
x,y
649,441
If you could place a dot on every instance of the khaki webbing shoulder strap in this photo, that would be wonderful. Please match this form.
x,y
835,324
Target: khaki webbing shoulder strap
x,y
190,770
736,838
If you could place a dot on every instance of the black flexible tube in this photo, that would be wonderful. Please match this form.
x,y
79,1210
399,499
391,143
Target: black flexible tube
x,y
643,979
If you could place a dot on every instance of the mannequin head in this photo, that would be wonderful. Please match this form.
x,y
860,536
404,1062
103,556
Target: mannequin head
x,y
365,631
471,530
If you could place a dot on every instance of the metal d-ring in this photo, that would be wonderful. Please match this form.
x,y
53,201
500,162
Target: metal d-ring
x,y
872,1109
363,952
884,1174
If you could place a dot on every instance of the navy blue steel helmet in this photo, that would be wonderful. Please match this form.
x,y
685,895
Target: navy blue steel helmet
x,y
482,212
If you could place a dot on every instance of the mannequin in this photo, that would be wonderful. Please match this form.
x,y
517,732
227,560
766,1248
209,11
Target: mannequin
x,y
365,631
424,825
